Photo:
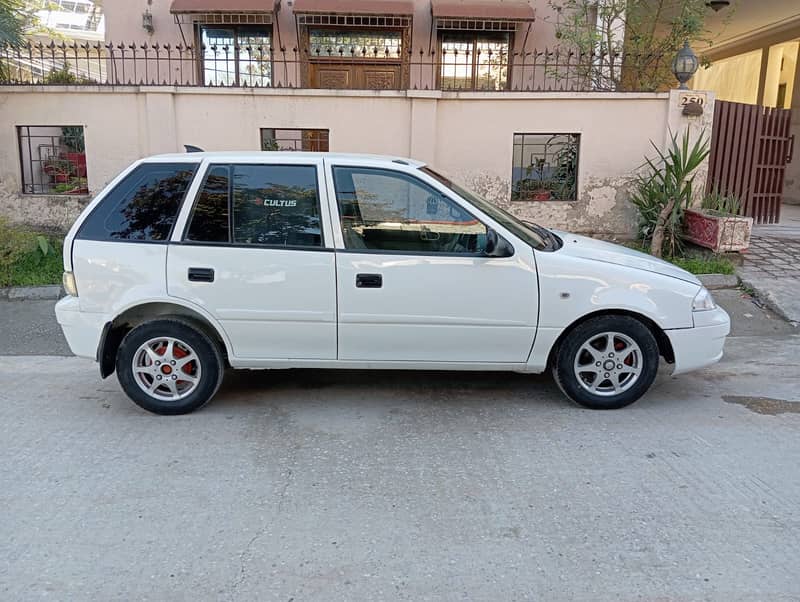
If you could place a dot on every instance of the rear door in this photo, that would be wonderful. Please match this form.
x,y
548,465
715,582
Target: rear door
x,y
413,281
255,253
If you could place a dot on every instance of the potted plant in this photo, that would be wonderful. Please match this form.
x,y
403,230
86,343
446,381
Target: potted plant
x,y
75,144
534,186
717,225
58,169
73,186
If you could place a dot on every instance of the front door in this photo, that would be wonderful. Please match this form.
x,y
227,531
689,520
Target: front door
x,y
413,281
254,255
355,76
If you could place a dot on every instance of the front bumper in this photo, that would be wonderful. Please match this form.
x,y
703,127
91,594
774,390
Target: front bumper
x,y
702,345
81,329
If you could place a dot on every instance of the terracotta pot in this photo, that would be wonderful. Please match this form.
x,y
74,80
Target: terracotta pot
x,y
721,233
541,195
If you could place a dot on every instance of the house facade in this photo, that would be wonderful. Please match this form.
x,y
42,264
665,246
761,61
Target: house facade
x,y
479,89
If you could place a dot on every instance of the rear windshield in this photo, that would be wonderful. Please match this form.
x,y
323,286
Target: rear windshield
x,y
143,206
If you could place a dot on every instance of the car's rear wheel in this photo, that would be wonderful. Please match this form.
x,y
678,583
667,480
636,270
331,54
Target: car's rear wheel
x,y
168,366
607,362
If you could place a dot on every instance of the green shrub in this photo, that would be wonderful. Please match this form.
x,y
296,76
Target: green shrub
x,y
14,243
28,258
664,190
721,204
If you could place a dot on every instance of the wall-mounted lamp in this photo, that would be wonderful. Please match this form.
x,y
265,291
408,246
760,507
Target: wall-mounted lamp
x,y
684,65
147,19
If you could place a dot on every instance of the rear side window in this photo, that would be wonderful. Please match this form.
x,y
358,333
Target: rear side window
x,y
143,206
267,205
210,220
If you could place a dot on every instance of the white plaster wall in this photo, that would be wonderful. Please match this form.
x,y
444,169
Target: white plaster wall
x,y
468,135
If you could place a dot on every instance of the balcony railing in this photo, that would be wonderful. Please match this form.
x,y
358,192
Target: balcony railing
x,y
109,64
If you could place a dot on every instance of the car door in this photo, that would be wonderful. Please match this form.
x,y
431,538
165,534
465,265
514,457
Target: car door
x,y
255,254
413,280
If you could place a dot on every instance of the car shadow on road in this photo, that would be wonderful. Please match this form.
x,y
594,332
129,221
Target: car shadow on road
x,y
297,386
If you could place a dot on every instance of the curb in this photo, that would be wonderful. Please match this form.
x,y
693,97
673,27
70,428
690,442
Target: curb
x,y
32,293
714,282
769,300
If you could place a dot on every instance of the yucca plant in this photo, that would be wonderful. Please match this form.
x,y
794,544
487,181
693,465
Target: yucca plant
x,y
663,190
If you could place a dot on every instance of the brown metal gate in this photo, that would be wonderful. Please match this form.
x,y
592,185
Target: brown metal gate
x,y
750,147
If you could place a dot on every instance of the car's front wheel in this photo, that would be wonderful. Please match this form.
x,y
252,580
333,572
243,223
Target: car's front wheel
x,y
168,366
607,362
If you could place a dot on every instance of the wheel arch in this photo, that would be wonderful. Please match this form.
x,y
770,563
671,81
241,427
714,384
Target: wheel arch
x,y
131,317
664,344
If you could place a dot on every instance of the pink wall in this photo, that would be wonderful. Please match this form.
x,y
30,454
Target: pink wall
x,y
124,24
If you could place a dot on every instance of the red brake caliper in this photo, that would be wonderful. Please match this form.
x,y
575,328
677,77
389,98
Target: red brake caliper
x,y
179,353
619,346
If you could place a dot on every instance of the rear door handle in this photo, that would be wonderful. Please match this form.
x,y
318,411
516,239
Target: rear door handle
x,y
369,281
201,274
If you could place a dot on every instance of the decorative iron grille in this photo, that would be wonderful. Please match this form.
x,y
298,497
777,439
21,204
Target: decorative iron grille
x,y
53,159
264,65
277,139
545,167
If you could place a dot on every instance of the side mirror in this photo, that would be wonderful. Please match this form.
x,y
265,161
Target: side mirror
x,y
496,245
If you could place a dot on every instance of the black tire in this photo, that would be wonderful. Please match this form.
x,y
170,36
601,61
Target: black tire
x,y
564,371
210,366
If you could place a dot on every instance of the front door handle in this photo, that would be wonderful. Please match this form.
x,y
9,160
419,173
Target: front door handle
x,y
369,281
201,274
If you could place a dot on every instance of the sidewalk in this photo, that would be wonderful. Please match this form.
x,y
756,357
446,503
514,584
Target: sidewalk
x,y
772,264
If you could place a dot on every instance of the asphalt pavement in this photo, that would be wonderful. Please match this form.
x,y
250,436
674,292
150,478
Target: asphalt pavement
x,y
350,485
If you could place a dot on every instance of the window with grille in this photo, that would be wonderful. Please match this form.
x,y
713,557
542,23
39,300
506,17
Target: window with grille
x,y
355,44
273,139
236,55
545,167
53,159
474,61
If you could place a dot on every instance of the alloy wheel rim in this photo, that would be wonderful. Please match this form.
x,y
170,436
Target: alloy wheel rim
x,y
608,364
166,368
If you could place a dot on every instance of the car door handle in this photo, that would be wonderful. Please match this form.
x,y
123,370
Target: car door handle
x,y
201,274
369,281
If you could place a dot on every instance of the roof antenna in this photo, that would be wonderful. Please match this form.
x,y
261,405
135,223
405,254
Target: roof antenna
x,y
193,149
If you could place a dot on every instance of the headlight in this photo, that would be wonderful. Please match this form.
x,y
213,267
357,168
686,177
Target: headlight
x,y
68,281
703,301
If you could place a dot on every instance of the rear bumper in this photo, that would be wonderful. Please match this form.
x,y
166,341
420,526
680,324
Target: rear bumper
x,y
81,329
702,345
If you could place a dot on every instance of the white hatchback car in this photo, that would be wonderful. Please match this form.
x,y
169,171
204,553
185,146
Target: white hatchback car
x,y
186,264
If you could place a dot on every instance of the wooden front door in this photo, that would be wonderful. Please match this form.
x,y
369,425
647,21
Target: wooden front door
x,y
750,148
355,76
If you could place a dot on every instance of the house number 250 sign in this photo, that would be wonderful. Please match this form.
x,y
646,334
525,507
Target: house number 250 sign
x,y
686,97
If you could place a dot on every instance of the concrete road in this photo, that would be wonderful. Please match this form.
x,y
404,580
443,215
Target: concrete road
x,y
312,485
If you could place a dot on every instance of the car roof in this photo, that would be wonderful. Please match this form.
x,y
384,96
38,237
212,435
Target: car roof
x,y
260,155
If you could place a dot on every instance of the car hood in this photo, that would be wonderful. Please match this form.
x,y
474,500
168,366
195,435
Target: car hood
x,y
606,252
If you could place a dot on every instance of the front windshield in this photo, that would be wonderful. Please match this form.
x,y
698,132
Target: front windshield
x,y
504,218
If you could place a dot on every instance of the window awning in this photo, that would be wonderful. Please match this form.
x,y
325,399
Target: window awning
x,y
403,8
221,6
482,10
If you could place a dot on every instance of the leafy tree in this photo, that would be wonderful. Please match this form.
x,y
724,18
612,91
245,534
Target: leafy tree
x,y
12,22
629,44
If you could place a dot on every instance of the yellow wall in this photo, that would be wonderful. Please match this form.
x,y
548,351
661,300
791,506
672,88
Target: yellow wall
x,y
780,70
734,79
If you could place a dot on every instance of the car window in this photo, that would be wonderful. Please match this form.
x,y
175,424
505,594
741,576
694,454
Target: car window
x,y
271,205
143,206
210,217
388,210
506,219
